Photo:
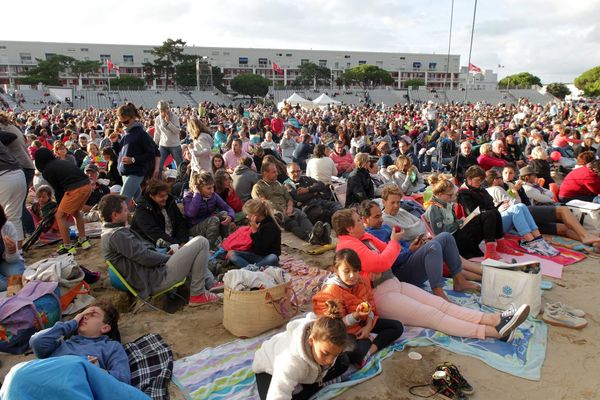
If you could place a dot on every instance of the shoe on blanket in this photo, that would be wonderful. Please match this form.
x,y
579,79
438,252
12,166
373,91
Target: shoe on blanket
x,y
571,310
204,298
317,233
509,321
560,317
537,247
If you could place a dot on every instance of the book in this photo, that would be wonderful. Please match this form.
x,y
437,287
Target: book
x,y
470,217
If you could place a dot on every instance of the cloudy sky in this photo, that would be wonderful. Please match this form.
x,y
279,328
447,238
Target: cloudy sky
x,y
553,39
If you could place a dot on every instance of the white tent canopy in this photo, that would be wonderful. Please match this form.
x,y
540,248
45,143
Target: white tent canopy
x,y
295,99
324,100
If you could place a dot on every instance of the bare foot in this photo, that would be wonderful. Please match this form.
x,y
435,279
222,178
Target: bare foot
x,y
461,284
591,239
440,292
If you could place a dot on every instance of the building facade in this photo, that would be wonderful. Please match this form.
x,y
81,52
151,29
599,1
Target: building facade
x,y
18,57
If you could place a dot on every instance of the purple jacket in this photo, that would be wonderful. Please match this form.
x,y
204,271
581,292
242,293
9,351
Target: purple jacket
x,y
196,209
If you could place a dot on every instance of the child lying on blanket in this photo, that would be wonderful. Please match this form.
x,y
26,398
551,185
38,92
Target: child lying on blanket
x,y
295,363
355,299
92,334
79,359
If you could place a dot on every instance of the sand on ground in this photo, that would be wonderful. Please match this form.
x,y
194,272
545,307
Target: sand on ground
x,y
569,371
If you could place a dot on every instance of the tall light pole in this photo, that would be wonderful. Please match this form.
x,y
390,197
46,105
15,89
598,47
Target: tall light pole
x,y
449,44
470,49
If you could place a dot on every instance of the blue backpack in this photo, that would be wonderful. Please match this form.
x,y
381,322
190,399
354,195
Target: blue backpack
x,y
35,307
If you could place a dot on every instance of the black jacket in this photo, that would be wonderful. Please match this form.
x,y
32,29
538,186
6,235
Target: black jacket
x,y
360,187
267,239
470,198
149,221
316,190
61,175
464,162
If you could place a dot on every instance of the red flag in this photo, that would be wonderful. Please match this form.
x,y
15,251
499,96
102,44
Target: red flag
x,y
474,68
110,65
278,71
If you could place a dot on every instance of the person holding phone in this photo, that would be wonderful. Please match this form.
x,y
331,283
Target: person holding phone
x,y
421,259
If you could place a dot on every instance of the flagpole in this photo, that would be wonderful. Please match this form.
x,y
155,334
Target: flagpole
x,y
470,50
449,43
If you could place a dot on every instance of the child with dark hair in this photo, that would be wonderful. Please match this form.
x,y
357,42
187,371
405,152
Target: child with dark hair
x,y
93,333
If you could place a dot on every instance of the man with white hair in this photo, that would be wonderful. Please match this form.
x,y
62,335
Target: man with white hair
x,y
166,135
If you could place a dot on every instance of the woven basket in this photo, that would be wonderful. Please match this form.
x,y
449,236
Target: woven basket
x,y
250,313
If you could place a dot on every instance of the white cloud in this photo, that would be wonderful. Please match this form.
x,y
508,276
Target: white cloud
x,y
553,39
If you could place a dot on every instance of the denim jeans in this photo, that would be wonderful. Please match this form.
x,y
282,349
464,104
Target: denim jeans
x,y
519,217
164,153
242,258
426,264
132,186
7,269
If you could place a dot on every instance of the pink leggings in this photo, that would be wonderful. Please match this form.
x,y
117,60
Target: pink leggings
x,y
413,306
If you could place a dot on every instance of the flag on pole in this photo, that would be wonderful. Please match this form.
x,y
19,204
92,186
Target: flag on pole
x,y
110,65
474,68
277,69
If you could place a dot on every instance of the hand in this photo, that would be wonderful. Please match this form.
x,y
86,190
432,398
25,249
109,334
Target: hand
x,y
229,254
289,211
417,243
81,315
253,223
155,174
302,190
11,245
226,221
397,235
359,313
518,185
127,160
364,332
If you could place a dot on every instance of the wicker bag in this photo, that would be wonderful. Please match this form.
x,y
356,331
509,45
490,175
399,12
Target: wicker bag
x,y
250,313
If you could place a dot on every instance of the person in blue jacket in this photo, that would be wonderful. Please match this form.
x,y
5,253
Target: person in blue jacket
x,y
92,334
137,151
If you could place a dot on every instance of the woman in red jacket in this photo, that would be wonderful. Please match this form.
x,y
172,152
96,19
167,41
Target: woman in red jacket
x,y
487,160
409,304
581,184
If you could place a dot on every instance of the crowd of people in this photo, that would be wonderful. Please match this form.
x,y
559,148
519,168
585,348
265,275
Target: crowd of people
x,y
170,184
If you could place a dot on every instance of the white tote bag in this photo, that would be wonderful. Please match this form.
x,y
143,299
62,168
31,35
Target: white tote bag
x,y
502,287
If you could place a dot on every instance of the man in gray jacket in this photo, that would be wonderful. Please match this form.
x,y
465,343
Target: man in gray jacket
x,y
166,135
148,270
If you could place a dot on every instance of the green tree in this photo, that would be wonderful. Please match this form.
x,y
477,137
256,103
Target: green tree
x,y
185,72
48,71
589,82
128,82
167,56
311,72
559,90
366,76
414,83
217,78
250,85
522,79
85,67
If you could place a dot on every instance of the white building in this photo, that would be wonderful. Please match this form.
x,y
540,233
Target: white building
x,y
484,80
17,57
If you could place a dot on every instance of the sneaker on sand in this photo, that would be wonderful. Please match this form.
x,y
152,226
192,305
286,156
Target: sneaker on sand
x,y
510,320
204,298
83,243
560,317
317,232
64,249
571,310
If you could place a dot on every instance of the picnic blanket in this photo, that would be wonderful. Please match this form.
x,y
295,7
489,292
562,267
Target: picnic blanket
x,y
226,371
92,230
572,244
306,280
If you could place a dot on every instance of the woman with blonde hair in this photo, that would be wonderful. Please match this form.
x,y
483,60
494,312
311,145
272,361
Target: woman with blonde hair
x,y
265,235
487,160
407,177
201,147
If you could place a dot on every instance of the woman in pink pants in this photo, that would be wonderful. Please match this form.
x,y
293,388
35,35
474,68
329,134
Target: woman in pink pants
x,y
408,303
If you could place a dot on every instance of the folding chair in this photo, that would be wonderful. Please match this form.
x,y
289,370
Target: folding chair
x,y
118,282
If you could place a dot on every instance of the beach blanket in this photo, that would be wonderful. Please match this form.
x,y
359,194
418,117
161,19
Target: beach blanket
x,y
566,256
92,230
572,244
225,372
306,280
290,240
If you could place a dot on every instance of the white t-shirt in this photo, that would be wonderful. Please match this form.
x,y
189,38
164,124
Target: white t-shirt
x,y
321,169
